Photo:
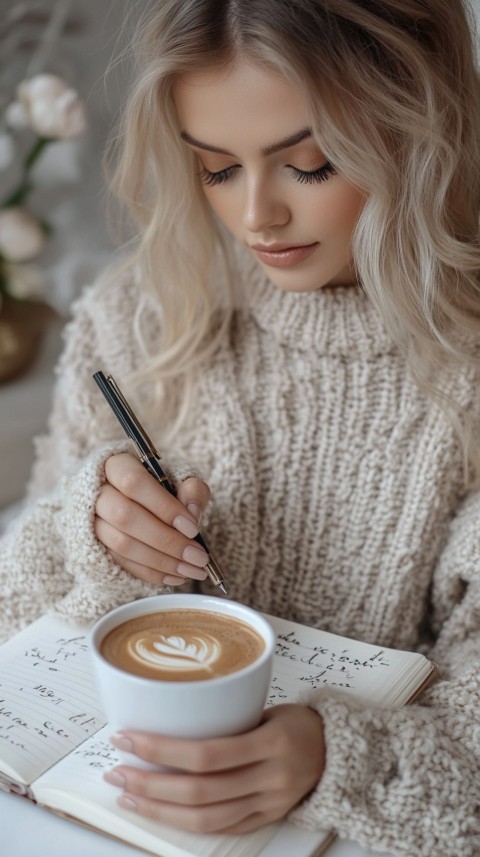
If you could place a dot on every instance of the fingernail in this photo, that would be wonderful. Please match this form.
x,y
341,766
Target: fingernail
x,y
115,778
185,526
196,511
122,742
190,571
195,556
126,802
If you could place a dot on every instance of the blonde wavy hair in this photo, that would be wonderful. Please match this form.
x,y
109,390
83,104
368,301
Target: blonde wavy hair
x,y
394,96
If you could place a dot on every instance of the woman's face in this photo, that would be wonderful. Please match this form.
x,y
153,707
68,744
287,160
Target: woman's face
x,y
265,176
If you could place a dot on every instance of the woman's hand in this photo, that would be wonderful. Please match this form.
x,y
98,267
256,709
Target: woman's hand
x,y
147,530
225,785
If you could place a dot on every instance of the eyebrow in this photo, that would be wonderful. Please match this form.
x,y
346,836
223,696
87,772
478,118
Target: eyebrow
x,y
267,150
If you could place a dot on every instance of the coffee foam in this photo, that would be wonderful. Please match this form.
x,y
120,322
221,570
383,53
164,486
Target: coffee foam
x,y
181,652
182,645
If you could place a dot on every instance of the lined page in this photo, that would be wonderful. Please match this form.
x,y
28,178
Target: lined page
x,y
308,659
75,786
48,700
48,709
305,659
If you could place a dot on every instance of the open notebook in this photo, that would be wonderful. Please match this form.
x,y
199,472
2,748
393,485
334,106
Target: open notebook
x,y
54,743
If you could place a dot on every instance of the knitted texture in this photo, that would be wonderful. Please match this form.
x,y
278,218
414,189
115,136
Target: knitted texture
x,y
337,502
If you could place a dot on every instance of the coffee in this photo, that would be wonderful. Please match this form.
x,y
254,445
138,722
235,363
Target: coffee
x,y
182,645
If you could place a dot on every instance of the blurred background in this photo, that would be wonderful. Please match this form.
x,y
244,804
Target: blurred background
x,y
53,235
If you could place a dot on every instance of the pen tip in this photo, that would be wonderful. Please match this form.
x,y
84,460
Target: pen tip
x,y
223,587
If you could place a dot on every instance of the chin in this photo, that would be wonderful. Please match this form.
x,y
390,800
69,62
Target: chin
x,y
298,289
294,283
300,281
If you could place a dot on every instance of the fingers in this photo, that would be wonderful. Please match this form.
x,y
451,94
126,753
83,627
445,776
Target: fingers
x,y
129,477
217,818
222,803
186,789
195,495
150,575
225,785
147,530
132,521
207,756
142,560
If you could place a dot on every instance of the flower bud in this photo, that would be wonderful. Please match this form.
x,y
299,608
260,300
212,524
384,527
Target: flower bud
x,y
24,282
16,116
21,235
55,111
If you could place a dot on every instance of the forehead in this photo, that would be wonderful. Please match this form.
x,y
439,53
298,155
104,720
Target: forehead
x,y
244,101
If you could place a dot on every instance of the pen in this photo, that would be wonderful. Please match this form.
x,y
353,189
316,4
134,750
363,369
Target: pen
x,y
149,456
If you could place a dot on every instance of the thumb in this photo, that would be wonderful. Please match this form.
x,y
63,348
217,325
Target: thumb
x,y
195,495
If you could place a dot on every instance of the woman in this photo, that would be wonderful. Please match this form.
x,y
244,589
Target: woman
x,y
299,316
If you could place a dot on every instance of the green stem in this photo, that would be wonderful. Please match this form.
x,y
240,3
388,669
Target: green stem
x,y
34,153
20,194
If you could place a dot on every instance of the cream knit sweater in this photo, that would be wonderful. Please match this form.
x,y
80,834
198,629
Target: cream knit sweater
x,y
337,501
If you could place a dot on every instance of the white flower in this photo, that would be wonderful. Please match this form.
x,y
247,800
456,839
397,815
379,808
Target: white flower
x,y
54,110
16,116
7,151
21,235
24,282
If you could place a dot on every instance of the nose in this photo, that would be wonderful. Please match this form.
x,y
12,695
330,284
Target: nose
x,y
264,205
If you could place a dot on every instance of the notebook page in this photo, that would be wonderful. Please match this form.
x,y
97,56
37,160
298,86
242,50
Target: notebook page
x,y
48,701
48,698
75,786
307,659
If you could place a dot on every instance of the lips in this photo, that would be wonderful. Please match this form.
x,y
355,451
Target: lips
x,y
283,255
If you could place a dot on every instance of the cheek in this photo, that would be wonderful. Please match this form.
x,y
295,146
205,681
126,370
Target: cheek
x,y
225,207
344,209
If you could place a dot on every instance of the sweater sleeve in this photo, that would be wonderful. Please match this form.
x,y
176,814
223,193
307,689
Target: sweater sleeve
x,y
407,781
49,556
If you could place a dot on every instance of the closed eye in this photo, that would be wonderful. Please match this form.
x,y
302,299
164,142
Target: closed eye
x,y
322,174
211,179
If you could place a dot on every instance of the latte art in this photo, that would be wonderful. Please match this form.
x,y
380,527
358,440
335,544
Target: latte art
x,y
182,645
175,653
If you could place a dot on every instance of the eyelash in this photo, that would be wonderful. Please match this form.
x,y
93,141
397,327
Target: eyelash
x,y
315,176
302,176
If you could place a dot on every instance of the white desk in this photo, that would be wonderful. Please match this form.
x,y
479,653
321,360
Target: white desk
x,y
30,831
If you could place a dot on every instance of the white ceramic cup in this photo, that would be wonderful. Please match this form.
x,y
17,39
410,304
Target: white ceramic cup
x,y
210,708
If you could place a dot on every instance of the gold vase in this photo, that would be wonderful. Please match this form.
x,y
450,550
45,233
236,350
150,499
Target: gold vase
x,y
22,324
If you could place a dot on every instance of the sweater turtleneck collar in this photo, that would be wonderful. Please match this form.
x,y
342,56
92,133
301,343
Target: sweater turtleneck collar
x,y
336,320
